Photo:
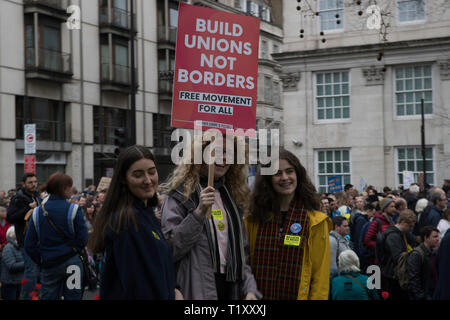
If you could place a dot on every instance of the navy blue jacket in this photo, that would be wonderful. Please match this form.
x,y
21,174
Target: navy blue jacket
x,y
51,250
442,291
20,205
434,216
138,263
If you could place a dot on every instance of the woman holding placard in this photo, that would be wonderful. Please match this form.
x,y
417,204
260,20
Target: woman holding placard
x,y
288,235
205,228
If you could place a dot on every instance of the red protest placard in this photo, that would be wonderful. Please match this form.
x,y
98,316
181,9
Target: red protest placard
x,y
30,163
216,68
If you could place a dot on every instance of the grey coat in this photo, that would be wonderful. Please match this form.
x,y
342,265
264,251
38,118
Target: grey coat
x,y
338,244
187,235
12,264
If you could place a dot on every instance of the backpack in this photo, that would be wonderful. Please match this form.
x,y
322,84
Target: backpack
x,y
27,219
364,251
379,244
400,270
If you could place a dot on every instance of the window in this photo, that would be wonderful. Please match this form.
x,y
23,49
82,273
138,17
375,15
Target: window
x,y
119,60
253,8
332,163
265,13
241,5
48,115
48,45
107,119
410,159
276,48
264,49
333,95
268,89
162,131
411,10
276,94
328,10
412,84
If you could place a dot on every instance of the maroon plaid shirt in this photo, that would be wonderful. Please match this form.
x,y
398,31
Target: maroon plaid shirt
x,y
276,266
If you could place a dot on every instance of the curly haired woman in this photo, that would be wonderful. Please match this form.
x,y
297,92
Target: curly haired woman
x,y
288,236
209,245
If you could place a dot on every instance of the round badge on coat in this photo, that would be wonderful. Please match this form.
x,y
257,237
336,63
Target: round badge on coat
x,y
296,228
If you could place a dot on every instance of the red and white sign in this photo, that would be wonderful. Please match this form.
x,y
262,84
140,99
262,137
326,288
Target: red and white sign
x,y
30,163
216,69
30,138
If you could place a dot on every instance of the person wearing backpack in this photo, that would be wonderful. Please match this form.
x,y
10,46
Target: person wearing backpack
x,y
385,217
26,199
358,229
419,267
44,242
395,243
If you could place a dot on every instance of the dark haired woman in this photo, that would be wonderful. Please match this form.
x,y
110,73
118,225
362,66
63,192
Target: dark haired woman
x,y
55,232
137,261
288,235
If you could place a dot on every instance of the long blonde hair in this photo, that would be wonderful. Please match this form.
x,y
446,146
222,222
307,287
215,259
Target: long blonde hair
x,y
188,174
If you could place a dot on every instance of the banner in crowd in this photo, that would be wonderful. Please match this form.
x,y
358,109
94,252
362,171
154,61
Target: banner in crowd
x,y
335,184
216,69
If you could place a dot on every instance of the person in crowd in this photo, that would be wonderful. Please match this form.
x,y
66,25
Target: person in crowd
x,y
385,218
412,196
359,221
289,246
55,235
433,195
343,209
325,205
394,243
400,205
444,223
358,208
351,284
137,259
446,187
2,198
332,203
23,202
12,267
439,201
349,188
442,291
421,204
419,265
204,225
4,226
338,243
89,211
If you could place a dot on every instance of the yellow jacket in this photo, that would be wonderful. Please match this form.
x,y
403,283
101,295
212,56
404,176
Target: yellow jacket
x,y
315,274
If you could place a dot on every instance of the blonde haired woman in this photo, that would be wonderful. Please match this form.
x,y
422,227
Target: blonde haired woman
x,y
209,245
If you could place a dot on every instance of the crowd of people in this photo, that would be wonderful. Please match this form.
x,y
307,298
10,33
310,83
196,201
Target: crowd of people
x,y
404,232
188,238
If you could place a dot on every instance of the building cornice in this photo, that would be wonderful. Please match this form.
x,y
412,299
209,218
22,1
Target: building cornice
x,y
362,49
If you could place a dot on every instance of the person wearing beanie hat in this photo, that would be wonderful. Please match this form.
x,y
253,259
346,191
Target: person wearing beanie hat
x,y
383,218
385,202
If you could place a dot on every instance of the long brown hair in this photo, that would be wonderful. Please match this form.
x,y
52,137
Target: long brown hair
x,y
117,210
265,201
188,175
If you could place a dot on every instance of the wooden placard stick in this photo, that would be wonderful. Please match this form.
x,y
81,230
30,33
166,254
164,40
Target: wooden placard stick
x,y
211,170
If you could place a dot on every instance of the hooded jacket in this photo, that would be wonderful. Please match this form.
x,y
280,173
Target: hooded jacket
x,y
12,263
315,274
394,245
